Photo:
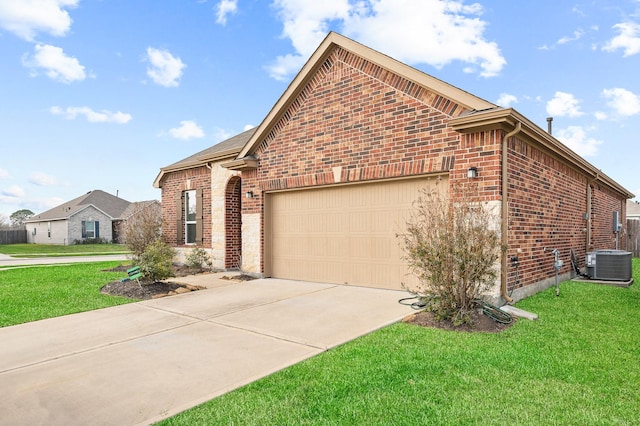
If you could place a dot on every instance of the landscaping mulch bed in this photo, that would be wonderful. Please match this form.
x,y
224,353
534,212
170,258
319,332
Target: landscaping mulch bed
x,y
150,290
481,323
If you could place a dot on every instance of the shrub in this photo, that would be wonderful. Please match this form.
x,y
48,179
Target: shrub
x,y
156,262
198,258
452,247
98,240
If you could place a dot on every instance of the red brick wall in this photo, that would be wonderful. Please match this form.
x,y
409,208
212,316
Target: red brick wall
x,y
547,204
604,204
173,185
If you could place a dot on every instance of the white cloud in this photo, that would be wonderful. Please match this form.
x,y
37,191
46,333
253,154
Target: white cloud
x,y
577,35
225,8
165,68
601,115
628,39
622,101
576,138
57,66
188,130
506,100
247,127
104,116
434,32
42,179
564,104
3,173
26,18
13,192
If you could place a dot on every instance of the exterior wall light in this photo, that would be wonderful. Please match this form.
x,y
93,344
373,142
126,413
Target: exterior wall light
x,y
472,173
249,194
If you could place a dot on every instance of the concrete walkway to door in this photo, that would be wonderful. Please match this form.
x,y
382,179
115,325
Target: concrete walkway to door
x,y
142,362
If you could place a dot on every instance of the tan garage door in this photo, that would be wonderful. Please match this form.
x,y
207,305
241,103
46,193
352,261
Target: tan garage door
x,y
342,234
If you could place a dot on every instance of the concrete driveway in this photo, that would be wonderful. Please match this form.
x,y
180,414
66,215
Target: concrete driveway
x,y
142,362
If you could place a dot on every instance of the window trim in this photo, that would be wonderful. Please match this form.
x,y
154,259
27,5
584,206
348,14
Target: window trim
x,y
190,203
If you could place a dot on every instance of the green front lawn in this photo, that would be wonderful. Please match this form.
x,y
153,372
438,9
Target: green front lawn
x,y
39,250
579,364
30,294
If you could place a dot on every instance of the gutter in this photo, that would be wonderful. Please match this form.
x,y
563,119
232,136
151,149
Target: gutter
x,y
588,237
504,223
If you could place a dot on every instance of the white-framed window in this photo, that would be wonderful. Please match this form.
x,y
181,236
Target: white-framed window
x,y
190,209
90,229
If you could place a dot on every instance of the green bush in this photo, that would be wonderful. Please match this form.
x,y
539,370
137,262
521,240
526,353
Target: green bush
x,y
156,262
198,258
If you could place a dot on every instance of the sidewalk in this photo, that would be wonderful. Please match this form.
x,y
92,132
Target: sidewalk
x,y
142,362
6,260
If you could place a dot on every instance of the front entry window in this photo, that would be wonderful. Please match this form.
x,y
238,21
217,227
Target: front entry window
x,y
190,216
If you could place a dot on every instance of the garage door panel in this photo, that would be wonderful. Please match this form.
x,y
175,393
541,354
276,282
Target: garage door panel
x,y
342,234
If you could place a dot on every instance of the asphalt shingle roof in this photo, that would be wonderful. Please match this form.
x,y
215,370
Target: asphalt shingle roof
x,y
230,146
109,204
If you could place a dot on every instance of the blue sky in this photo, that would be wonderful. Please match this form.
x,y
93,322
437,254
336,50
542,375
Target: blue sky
x,y
99,94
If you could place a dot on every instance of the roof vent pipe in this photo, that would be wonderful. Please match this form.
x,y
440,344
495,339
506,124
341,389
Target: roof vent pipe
x,y
549,121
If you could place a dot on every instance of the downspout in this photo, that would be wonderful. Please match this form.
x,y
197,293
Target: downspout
x,y
504,225
588,241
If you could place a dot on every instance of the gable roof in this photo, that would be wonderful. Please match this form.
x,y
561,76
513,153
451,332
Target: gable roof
x,y
316,61
109,204
226,149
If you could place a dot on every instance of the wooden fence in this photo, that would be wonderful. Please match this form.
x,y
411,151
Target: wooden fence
x,y
633,236
13,236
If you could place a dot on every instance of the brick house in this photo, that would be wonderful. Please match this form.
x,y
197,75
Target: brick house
x,y
320,188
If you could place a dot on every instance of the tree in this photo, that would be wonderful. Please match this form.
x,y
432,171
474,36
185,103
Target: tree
x,y
18,217
4,223
452,246
142,228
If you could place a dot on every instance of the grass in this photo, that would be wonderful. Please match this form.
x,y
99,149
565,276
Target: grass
x,y
579,363
30,294
39,250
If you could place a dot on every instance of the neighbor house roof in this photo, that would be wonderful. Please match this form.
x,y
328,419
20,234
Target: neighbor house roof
x,y
224,150
317,60
109,204
137,206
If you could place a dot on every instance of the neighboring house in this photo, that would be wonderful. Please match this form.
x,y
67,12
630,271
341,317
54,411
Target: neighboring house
x,y
89,216
319,190
633,210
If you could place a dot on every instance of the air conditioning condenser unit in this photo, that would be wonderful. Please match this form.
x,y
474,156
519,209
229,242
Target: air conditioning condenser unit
x,y
609,265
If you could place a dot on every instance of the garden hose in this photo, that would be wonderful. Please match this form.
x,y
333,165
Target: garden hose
x,y
495,313
417,305
488,309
